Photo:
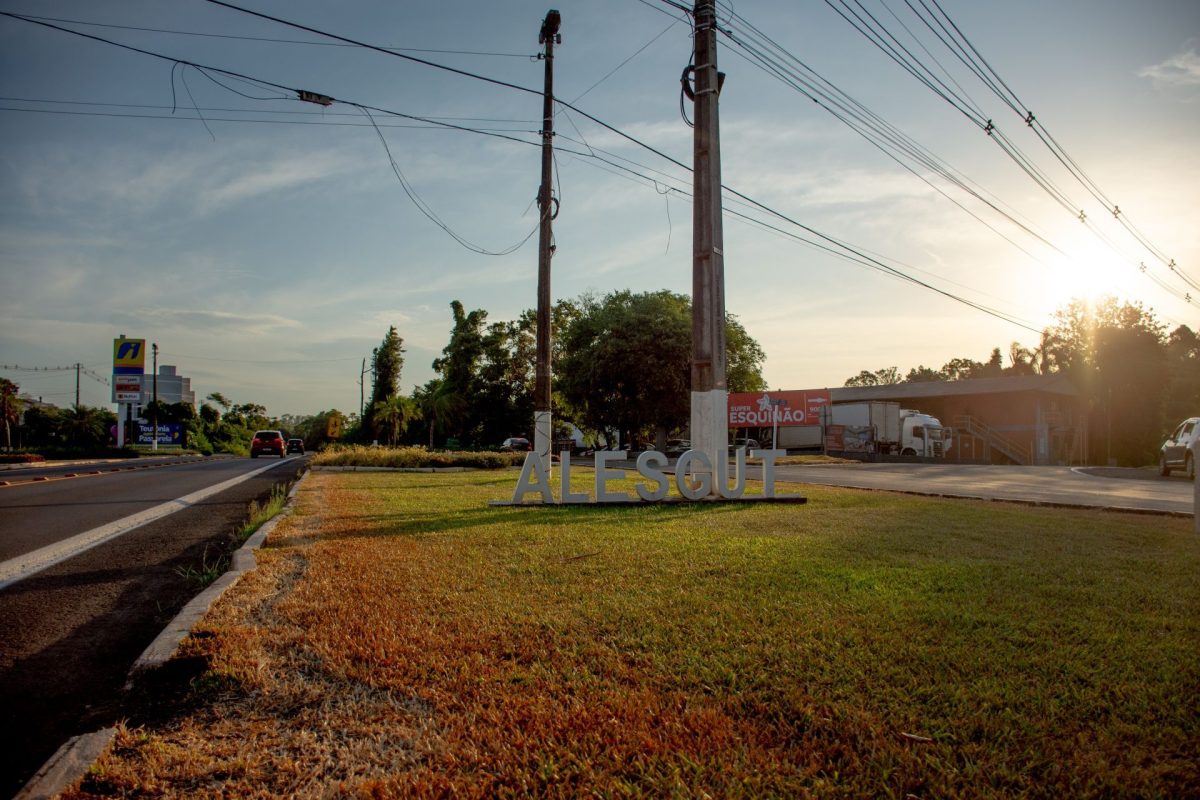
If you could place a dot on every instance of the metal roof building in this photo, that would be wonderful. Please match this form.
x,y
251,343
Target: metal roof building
x,y
1022,419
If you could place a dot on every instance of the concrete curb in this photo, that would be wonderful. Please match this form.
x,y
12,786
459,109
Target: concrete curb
x,y
164,645
67,765
73,760
393,469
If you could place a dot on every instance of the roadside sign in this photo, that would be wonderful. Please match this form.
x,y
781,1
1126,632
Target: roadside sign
x,y
762,409
129,356
127,389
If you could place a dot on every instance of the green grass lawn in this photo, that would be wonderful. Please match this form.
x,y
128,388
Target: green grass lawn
x,y
401,638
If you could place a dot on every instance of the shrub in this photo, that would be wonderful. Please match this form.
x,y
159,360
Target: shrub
x,y
21,458
411,458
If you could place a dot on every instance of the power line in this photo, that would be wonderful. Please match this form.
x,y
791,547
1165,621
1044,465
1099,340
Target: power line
x,y
179,118
875,32
72,368
843,249
322,113
271,40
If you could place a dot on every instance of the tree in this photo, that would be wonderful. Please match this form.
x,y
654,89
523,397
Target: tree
x,y
886,376
392,417
626,363
1183,367
923,373
86,428
1117,354
744,358
459,367
957,369
220,400
10,408
387,360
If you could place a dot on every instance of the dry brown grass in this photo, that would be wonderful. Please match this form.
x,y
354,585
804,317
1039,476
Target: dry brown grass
x,y
401,639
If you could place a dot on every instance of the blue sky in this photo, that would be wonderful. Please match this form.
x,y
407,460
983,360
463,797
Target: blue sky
x,y
268,259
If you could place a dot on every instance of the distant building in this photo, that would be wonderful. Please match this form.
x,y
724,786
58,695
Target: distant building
x,y
1020,419
172,387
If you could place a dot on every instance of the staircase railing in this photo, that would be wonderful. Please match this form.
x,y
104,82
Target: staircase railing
x,y
1018,454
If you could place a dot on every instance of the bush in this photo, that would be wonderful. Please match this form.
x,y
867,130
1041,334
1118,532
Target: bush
x,y
411,458
21,458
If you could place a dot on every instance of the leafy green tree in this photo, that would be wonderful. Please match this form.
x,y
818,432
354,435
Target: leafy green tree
x,y
957,369
1183,366
744,358
626,362
923,373
627,366
887,376
459,368
387,360
85,427
220,400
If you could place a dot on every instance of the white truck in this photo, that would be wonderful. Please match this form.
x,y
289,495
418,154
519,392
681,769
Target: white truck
x,y
873,426
923,435
883,427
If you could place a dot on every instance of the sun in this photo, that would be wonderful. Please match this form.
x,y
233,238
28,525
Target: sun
x,y
1089,268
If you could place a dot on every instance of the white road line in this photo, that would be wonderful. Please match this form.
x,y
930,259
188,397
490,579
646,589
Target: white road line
x,y
21,567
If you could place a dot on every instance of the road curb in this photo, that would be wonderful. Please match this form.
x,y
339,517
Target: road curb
x,y
392,469
164,645
72,761
68,764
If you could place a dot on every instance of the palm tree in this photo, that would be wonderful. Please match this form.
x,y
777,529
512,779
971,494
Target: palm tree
x,y
440,405
10,408
391,416
85,426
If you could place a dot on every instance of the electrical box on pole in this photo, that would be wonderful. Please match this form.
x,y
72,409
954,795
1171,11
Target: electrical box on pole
x,y
548,209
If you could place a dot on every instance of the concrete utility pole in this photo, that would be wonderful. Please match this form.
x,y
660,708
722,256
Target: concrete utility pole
x,y
154,380
710,414
543,435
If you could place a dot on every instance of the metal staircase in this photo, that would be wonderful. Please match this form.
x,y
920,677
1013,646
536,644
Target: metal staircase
x,y
973,426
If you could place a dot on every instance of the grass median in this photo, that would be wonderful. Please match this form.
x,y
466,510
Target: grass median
x,y
401,638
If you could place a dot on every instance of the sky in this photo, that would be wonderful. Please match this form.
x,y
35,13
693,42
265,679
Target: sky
x,y
267,244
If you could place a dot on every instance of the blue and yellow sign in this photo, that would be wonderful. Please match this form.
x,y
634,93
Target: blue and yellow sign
x,y
129,356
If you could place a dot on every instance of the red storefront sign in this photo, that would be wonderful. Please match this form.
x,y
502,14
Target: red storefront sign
x,y
762,409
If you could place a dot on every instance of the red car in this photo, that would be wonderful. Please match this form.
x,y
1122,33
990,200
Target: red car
x,y
268,442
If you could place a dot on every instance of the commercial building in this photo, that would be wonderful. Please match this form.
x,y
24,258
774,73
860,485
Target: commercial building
x,y
1024,419
172,387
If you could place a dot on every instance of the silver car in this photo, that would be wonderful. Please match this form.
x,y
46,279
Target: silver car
x,y
1176,451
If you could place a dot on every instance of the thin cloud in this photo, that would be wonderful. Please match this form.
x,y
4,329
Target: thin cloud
x,y
1181,69
283,174
212,321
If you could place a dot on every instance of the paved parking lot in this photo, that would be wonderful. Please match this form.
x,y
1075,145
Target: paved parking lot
x,y
1141,490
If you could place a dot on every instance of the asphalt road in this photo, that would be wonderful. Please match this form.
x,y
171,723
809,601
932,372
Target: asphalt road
x,y
1141,490
69,633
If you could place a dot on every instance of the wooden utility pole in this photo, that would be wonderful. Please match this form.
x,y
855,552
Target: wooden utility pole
x,y
154,380
710,415
77,368
542,430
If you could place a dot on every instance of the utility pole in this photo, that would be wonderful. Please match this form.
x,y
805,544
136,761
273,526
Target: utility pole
x,y
77,365
543,435
710,414
154,383
362,396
